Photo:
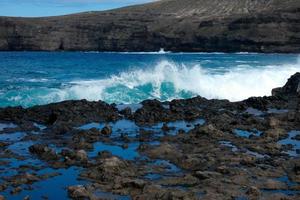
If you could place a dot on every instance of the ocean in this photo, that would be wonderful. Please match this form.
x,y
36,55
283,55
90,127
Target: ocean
x,y
37,78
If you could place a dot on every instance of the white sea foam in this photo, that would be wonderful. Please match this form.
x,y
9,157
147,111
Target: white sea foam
x,y
236,84
165,81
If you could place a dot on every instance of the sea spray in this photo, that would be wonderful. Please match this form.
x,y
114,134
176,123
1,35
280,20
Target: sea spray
x,y
222,76
168,80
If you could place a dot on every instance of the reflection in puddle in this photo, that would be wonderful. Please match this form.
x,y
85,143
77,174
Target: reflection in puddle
x,y
129,153
129,128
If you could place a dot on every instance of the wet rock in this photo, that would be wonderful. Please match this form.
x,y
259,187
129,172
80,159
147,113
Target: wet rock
x,y
208,130
81,155
3,144
296,169
43,151
104,154
271,184
156,192
165,128
202,175
126,112
253,193
3,187
78,192
164,150
297,137
132,183
31,178
16,190
275,134
26,198
223,170
292,87
108,169
107,130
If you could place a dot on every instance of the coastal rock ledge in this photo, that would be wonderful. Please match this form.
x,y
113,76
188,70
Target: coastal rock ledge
x,y
174,25
185,149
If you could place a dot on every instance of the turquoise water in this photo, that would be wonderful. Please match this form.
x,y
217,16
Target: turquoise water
x,y
31,78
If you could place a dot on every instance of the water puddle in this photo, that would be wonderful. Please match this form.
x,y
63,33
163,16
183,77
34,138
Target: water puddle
x,y
110,196
52,188
40,126
169,169
4,126
21,148
230,145
133,107
277,111
11,137
234,148
293,142
255,112
129,128
247,134
119,127
129,153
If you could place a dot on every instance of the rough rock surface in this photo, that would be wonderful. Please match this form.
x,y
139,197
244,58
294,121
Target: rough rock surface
x,y
158,151
175,25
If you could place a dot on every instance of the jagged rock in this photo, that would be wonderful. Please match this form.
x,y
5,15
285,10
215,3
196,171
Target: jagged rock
x,y
165,127
16,190
82,155
43,151
253,193
291,88
78,192
106,130
206,174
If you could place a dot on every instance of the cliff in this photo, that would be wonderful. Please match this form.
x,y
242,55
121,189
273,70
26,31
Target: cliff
x,y
175,25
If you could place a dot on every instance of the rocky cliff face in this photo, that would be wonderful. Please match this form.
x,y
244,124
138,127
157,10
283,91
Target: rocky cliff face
x,y
175,25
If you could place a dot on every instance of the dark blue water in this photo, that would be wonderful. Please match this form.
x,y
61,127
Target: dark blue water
x,y
30,78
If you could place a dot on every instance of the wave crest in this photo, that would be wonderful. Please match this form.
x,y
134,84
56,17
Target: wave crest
x,y
168,80
165,81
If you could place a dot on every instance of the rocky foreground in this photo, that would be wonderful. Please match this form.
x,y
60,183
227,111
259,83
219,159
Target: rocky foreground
x,y
183,149
175,25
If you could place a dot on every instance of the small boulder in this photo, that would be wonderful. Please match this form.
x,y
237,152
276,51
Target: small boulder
x,y
107,130
16,190
81,155
43,151
206,174
253,192
78,192
165,127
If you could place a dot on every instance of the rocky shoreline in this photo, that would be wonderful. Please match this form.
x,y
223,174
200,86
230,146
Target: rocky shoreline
x,y
182,149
